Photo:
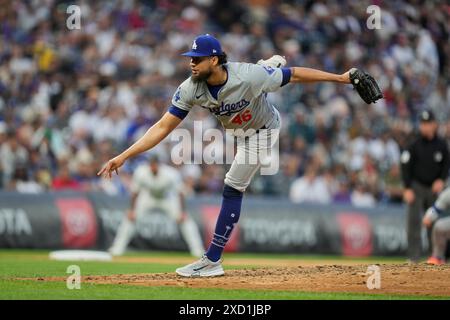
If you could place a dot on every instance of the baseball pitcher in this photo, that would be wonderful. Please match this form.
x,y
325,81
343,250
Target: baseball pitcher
x,y
236,94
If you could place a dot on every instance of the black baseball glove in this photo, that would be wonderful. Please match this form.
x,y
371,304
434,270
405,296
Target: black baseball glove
x,y
365,85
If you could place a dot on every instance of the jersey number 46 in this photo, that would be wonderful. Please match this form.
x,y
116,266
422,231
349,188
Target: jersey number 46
x,y
244,117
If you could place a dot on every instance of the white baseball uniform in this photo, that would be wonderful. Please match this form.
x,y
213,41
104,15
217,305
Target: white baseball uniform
x,y
157,191
160,191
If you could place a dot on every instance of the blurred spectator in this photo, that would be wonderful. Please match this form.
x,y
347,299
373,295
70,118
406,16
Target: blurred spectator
x,y
342,194
11,153
211,180
310,188
301,128
64,180
361,197
279,184
85,94
393,185
22,183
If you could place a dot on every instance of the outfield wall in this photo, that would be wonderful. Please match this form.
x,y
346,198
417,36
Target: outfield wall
x,y
89,221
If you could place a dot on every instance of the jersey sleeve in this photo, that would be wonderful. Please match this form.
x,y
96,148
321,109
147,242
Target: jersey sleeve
x,y
442,203
183,96
266,79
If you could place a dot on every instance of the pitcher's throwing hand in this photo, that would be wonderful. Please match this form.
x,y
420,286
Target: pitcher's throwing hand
x,y
112,165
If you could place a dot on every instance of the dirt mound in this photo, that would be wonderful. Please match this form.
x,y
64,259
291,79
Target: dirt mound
x,y
402,279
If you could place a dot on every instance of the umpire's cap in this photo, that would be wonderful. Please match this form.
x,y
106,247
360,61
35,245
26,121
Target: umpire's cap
x,y
205,46
426,116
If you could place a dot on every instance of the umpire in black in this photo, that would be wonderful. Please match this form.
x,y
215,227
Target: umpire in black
x,y
425,166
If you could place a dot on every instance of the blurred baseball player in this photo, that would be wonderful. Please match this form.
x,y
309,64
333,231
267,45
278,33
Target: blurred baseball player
x,y
235,93
440,234
157,186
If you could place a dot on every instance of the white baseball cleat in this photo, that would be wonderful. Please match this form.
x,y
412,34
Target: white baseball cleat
x,y
202,268
116,252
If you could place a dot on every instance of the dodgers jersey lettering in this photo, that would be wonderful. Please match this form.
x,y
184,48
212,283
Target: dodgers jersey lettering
x,y
241,102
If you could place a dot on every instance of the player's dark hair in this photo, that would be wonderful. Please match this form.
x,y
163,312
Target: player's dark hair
x,y
222,59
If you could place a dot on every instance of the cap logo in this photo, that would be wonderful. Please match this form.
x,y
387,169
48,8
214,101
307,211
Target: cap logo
x,y
425,115
194,46
214,51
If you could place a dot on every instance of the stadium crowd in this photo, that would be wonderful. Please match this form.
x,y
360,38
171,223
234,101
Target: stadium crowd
x,y
71,99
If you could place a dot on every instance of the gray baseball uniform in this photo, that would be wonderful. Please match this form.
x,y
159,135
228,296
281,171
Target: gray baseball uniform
x,y
242,108
441,229
242,95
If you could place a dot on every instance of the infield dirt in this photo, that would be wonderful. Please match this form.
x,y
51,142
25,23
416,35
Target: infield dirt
x,y
308,276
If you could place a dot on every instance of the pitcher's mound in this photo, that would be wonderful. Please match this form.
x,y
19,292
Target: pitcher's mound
x,y
83,255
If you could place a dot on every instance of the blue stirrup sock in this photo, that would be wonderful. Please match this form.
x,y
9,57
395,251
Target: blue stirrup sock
x,y
228,217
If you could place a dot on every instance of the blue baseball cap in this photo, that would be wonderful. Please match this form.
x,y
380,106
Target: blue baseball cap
x,y
204,46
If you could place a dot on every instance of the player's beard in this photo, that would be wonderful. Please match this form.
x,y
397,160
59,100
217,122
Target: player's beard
x,y
202,76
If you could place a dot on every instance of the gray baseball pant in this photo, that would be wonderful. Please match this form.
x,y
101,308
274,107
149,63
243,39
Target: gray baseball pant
x,y
259,151
424,198
440,236
441,229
